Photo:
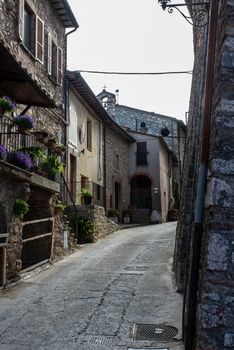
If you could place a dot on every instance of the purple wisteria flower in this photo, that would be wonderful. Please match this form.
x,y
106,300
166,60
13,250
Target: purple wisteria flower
x,y
3,153
7,103
21,159
24,121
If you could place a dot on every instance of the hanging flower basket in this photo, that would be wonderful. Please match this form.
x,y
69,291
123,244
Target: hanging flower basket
x,y
6,105
24,123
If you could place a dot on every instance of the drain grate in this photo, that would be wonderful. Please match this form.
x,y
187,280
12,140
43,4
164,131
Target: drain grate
x,y
151,332
101,340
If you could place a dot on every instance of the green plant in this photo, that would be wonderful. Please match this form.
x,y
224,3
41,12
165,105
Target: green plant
x,y
35,152
61,146
61,206
85,226
112,212
21,207
85,192
52,165
127,212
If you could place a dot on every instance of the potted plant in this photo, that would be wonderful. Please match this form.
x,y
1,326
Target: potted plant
x,y
20,207
24,123
6,105
37,154
112,214
86,195
3,153
59,208
59,149
41,135
127,216
20,159
51,141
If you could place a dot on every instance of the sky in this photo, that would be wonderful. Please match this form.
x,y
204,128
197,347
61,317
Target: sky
x,y
134,36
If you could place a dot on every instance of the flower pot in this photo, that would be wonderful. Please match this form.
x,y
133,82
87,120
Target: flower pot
x,y
126,219
87,200
23,131
2,111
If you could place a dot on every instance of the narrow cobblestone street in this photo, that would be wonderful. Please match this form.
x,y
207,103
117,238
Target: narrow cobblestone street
x,y
93,298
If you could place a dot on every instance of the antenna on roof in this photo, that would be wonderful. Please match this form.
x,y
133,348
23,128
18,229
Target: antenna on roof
x,y
117,96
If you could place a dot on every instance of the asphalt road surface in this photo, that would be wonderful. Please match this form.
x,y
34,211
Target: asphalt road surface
x,y
98,298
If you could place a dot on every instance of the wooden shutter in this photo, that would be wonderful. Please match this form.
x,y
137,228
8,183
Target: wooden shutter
x,y
49,54
141,154
59,66
39,40
21,19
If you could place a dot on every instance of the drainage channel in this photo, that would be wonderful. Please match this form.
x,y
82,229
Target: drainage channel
x,y
154,332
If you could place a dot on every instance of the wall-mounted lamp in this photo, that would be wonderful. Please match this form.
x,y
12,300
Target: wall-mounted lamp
x,y
199,11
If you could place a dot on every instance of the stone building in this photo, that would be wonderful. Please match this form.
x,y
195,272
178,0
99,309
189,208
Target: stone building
x,y
204,253
150,178
147,122
33,59
98,149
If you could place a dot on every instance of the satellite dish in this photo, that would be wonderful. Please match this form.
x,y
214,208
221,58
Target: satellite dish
x,y
165,132
82,133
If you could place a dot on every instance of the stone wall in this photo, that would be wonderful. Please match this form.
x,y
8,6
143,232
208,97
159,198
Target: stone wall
x,y
215,303
116,170
9,38
132,118
102,225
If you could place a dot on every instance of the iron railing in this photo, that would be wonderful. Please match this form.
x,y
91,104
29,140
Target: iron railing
x,y
75,188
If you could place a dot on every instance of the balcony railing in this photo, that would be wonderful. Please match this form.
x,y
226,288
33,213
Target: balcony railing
x,y
73,190
13,140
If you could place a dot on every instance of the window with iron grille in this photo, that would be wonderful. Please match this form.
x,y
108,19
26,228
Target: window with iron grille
x,y
141,153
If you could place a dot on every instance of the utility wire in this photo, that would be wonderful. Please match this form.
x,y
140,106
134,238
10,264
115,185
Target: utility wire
x,y
135,73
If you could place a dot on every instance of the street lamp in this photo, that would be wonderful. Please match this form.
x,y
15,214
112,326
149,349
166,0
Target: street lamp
x,y
198,16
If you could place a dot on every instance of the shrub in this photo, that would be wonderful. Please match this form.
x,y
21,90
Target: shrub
x,y
112,212
21,207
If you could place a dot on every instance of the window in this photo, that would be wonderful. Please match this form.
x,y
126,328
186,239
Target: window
x,y
141,154
31,30
54,60
89,135
117,161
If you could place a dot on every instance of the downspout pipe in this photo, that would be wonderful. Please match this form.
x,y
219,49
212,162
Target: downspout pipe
x,y
66,95
190,330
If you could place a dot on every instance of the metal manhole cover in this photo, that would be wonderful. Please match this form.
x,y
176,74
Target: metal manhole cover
x,y
101,340
151,332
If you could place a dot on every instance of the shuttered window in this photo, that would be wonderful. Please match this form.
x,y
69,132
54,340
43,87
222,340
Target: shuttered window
x,y
39,40
21,19
49,54
59,66
141,154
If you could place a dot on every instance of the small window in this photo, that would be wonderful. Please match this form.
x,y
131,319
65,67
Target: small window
x,y
89,135
141,154
117,161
